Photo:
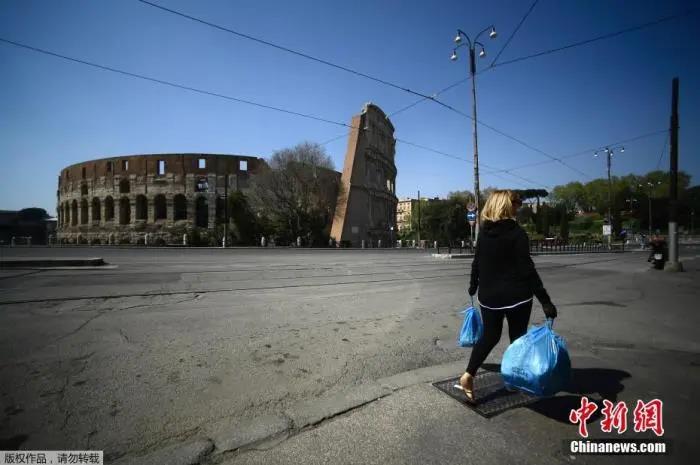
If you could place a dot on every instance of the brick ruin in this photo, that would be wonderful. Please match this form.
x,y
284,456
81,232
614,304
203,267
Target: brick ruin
x,y
366,205
120,200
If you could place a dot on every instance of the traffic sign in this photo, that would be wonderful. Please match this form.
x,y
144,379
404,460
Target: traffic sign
x,y
471,207
607,230
471,216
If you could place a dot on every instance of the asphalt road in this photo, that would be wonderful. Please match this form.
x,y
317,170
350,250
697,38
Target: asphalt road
x,y
176,346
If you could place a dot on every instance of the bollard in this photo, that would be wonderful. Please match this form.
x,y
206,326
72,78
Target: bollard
x,y
462,245
379,244
145,239
398,244
363,243
184,239
298,241
330,242
263,242
413,243
29,241
12,242
435,245
110,239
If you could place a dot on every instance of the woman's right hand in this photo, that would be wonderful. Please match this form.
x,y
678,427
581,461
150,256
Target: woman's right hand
x,y
550,311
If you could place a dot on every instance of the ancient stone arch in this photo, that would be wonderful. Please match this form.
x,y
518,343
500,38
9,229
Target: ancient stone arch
x,y
141,207
96,210
160,209
124,210
180,207
201,212
109,208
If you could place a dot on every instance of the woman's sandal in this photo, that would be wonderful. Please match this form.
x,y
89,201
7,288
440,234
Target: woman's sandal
x,y
468,393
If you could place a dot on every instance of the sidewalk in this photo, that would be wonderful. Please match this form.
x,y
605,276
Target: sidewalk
x,y
618,353
418,424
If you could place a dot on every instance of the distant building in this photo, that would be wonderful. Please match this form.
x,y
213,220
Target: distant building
x,y
406,208
123,200
120,199
366,205
30,225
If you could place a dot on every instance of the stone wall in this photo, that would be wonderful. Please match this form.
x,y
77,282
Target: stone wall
x,y
124,199
366,205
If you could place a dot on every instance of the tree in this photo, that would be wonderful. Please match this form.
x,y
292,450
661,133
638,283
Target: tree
x,y
298,193
571,195
245,225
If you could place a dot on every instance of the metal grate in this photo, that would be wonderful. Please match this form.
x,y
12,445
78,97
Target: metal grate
x,y
490,394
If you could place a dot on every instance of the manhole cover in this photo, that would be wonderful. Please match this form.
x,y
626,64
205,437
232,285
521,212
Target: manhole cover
x,y
491,395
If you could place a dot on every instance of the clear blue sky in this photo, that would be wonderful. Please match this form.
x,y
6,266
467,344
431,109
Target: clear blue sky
x,y
54,113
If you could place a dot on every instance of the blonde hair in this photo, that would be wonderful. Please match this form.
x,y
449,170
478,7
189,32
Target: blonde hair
x,y
499,206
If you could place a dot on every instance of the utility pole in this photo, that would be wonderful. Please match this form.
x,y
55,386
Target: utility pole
x,y
472,74
649,197
609,154
225,208
472,68
673,263
418,218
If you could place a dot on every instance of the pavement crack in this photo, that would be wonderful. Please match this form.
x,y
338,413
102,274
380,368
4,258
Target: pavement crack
x,y
122,333
76,330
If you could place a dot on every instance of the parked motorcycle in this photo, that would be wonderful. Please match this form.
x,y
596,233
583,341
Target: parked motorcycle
x,y
659,254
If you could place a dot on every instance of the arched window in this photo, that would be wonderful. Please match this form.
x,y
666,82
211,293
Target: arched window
x,y
124,211
220,210
202,212
83,211
160,207
96,211
73,207
124,187
109,209
141,207
179,207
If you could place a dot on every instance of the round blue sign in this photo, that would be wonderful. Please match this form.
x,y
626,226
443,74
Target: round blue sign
x,y
471,216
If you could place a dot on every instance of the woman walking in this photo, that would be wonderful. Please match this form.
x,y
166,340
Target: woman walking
x,y
506,278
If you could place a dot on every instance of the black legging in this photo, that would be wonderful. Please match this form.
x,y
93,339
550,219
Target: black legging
x,y
518,318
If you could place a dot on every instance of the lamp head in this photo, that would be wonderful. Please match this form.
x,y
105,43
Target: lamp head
x,y
493,33
482,53
458,39
454,55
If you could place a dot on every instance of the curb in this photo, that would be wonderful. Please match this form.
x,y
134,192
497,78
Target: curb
x,y
230,436
48,262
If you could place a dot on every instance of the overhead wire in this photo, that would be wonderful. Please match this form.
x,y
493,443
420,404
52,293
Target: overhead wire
x,y
595,39
663,150
283,48
405,89
514,32
172,84
584,152
202,91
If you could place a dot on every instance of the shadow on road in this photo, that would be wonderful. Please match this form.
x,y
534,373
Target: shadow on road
x,y
595,383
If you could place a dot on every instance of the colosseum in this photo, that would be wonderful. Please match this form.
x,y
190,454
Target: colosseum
x,y
153,199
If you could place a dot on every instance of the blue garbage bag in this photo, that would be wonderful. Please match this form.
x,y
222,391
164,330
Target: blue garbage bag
x,y
472,328
537,362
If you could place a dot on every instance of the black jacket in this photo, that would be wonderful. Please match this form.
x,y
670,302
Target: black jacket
x,y
502,268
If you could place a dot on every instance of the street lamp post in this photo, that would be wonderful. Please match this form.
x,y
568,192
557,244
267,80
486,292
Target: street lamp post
x,y
609,151
472,73
650,185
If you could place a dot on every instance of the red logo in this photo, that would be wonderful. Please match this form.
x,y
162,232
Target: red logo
x,y
647,416
582,414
